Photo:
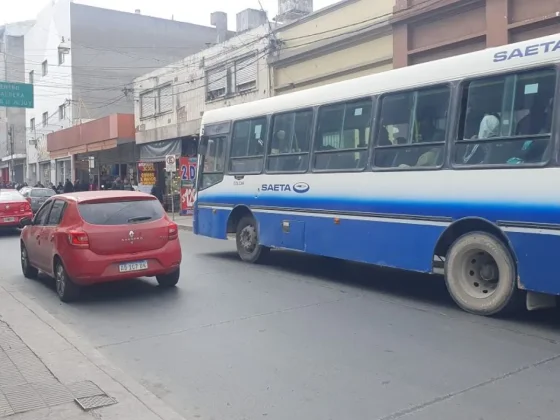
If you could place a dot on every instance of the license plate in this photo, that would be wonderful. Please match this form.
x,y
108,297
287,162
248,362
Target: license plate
x,y
9,219
133,266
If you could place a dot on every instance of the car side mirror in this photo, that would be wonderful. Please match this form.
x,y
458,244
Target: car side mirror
x,y
26,221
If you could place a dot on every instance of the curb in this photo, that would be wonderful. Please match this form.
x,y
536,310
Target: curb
x,y
185,228
149,400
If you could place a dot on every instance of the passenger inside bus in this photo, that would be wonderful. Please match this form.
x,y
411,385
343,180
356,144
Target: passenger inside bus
x,y
420,131
512,108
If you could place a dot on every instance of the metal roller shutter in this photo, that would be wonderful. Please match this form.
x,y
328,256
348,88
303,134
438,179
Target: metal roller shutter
x,y
166,99
246,71
147,104
217,79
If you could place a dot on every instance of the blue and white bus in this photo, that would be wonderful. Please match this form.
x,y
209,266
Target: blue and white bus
x,y
450,165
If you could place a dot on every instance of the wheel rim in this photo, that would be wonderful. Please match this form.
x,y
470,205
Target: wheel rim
x,y
479,275
248,238
60,280
24,260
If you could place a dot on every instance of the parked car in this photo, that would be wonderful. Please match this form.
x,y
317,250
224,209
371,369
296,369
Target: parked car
x,y
13,209
36,196
91,237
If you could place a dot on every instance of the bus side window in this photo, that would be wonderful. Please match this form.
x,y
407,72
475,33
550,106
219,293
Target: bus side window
x,y
247,146
411,129
506,120
213,170
288,148
342,137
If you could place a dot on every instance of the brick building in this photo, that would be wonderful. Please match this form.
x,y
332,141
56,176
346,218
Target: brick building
x,y
425,30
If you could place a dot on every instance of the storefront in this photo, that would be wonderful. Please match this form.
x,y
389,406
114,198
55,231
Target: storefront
x,y
44,175
103,167
152,165
97,152
429,30
4,173
63,170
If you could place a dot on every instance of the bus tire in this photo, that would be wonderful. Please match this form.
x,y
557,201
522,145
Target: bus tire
x,y
481,275
247,240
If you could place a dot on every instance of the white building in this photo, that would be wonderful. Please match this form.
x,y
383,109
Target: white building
x,y
82,61
170,101
52,79
12,120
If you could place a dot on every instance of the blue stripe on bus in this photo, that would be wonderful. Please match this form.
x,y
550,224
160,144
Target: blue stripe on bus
x,y
494,211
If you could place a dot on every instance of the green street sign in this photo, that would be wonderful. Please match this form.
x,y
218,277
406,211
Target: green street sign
x,y
16,95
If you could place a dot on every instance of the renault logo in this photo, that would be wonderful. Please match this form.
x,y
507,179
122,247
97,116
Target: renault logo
x,y
132,237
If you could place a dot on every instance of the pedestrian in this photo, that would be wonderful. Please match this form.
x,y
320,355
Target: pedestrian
x,y
68,187
127,186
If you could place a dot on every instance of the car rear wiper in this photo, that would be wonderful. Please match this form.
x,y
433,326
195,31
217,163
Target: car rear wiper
x,y
139,219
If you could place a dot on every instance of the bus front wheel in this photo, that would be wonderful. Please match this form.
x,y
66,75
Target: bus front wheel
x,y
247,240
480,274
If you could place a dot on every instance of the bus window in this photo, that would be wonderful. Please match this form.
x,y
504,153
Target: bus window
x,y
247,146
213,166
506,120
288,148
342,137
411,129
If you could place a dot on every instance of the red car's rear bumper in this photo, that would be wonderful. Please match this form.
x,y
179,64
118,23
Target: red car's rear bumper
x,y
16,222
86,268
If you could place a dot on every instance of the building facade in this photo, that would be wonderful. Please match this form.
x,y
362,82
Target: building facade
x,y
425,30
351,38
170,101
82,61
12,120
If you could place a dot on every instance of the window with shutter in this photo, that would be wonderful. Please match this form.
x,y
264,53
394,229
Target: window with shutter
x,y
147,104
216,83
246,74
165,99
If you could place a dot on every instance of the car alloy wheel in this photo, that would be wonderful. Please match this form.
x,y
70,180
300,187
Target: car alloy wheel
x,y
60,280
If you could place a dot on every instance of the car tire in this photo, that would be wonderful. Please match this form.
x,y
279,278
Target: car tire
x,y
247,240
66,289
28,270
169,280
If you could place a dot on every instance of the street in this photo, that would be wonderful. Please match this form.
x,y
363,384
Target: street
x,y
309,338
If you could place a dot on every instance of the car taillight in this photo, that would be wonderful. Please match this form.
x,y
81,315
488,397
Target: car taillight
x,y
25,208
78,238
173,231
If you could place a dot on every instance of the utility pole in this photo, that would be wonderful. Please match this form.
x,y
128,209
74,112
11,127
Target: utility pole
x,y
11,146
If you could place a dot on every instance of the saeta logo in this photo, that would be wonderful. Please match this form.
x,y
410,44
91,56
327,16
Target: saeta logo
x,y
301,187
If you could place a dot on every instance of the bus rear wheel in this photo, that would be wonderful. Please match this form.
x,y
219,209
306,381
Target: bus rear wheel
x,y
480,274
247,240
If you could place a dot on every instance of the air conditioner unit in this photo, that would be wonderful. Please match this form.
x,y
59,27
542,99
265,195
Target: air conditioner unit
x,y
33,142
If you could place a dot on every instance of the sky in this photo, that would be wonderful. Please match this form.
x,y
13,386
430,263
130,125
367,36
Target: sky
x,y
198,12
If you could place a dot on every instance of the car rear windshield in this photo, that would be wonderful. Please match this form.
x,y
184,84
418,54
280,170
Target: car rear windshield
x,y
42,193
10,196
121,212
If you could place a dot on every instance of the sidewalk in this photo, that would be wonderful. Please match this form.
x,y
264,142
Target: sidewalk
x,y
49,372
184,222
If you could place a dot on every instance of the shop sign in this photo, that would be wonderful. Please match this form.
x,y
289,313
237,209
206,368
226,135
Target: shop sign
x,y
147,177
188,176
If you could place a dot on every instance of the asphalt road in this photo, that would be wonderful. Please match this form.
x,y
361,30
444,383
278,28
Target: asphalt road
x,y
312,339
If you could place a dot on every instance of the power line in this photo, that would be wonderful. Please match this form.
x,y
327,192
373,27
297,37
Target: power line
x,y
259,57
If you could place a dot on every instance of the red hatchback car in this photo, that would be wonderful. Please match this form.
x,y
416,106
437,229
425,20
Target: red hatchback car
x,y
13,209
93,237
